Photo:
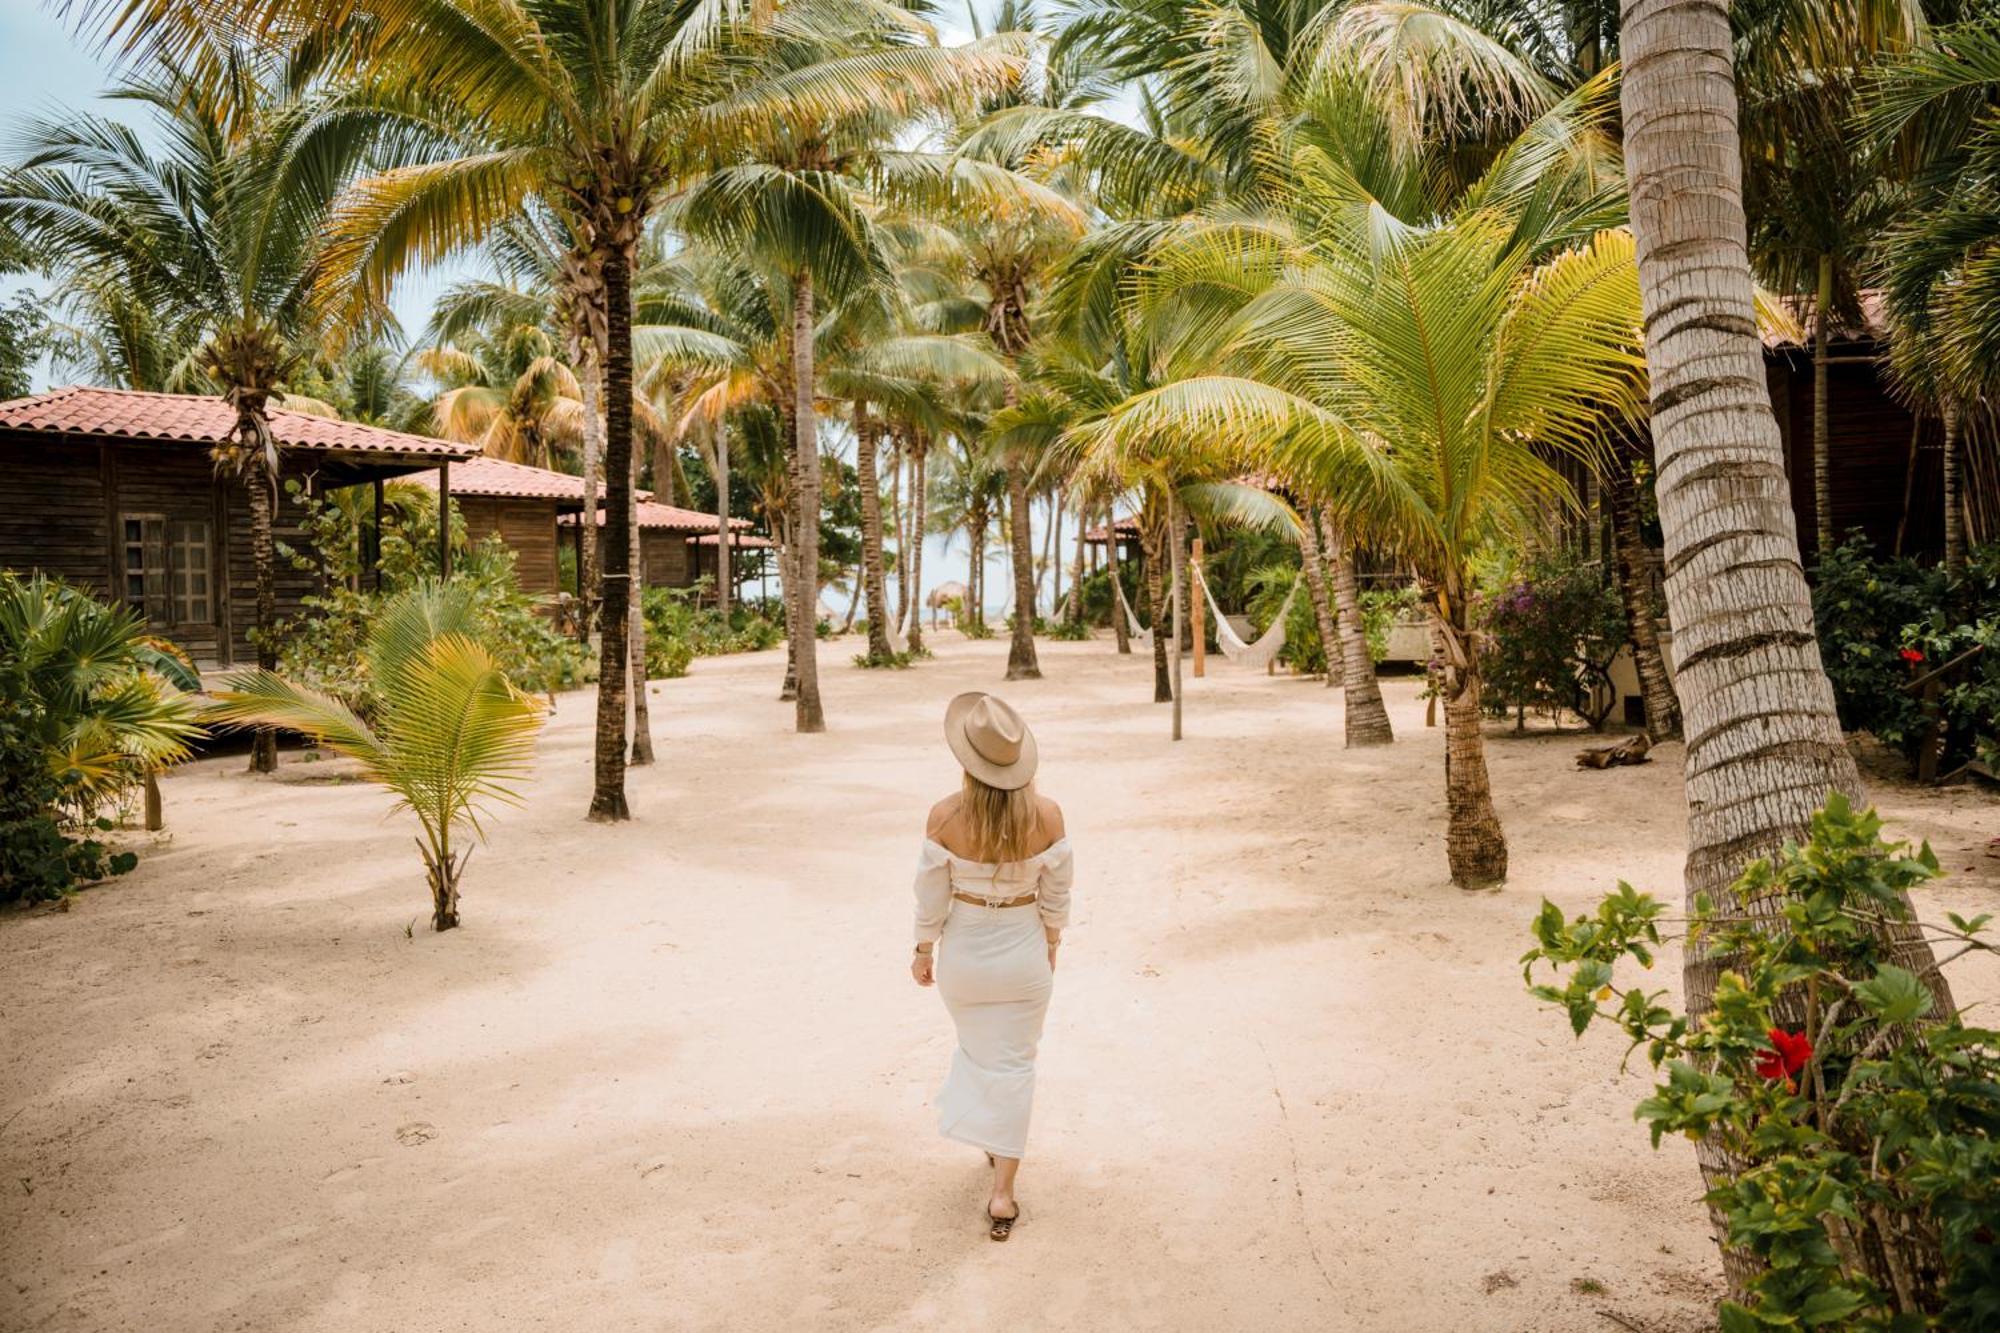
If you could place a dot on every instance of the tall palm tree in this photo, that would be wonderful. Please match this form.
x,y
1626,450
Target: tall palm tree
x,y
1413,374
1764,746
800,195
210,242
1936,261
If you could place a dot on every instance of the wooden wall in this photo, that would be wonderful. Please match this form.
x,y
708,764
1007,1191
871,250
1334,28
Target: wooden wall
x,y
528,526
1869,446
60,514
666,556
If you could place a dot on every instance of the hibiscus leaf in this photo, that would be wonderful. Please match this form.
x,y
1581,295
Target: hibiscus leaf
x,y
1893,994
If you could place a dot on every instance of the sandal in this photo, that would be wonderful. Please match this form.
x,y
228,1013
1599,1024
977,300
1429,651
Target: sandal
x,y
999,1228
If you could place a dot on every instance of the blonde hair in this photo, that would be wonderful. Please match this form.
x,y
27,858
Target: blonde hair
x,y
999,823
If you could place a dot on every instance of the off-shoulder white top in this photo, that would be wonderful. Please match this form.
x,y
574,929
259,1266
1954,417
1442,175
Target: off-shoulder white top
x,y
1047,874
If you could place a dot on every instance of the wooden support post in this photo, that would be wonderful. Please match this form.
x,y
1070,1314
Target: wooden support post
x,y
444,520
155,817
1200,625
375,541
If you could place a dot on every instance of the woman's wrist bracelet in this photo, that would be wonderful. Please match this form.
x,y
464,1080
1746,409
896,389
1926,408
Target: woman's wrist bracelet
x,y
921,950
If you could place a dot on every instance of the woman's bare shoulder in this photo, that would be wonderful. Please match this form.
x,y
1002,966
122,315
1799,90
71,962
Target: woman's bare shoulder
x,y
941,814
1051,816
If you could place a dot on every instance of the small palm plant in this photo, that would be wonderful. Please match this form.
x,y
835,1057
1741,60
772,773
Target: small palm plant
x,y
106,699
452,734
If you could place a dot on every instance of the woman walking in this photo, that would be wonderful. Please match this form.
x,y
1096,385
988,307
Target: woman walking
x,y
992,889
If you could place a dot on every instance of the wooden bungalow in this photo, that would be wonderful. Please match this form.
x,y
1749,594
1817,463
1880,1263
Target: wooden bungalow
x,y
114,491
671,543
522,506
1887,466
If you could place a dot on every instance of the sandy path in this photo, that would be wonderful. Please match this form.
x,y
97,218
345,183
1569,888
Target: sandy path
x,y
674,1074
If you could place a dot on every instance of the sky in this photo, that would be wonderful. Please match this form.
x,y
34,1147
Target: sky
x,y
45,71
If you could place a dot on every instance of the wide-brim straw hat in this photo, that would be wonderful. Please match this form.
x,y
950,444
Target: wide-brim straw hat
x,y
990,740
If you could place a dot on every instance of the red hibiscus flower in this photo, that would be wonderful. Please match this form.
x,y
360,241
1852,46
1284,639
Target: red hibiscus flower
x,y
1912,655
1787,1056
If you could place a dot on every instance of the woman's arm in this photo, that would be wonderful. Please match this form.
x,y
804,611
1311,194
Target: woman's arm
x,y
933,893
1058,872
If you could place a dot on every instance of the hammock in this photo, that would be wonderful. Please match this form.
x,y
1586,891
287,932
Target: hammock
x,y
899,635
1269,644
1139,633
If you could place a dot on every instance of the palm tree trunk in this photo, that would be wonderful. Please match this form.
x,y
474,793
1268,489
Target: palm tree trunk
x,y
1021,663
788,581
867,441
899,521
1954,503
1052,557
1156,608
975,579
810,717
1312,565
1075,607
1764,745
1365,719
262,489
1663,709
1115,562
590,549
919,500
642,713
725,565
607,802
1822,434
1177,534
1475,847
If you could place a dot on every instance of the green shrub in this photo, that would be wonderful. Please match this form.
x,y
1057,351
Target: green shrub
x,y
891,662
89,706
678,630
1098,603
327,649
1883,622
975,629
1269,585
1861,1111
1070,631
1549,632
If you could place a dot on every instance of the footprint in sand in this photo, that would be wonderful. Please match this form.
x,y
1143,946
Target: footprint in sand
x,y
417,1131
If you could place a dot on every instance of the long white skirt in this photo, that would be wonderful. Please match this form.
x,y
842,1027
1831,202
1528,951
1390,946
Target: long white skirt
x,y
993,972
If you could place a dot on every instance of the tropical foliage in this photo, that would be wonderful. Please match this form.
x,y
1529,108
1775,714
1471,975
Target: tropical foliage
x,y
1868,1108
450,735
89,708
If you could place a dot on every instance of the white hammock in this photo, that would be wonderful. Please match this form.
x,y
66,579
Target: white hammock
x,y
1269,644
1139,633
899,635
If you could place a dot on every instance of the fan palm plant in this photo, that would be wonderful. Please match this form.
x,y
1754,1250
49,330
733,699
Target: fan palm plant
x,y
206,243
108,701
452,736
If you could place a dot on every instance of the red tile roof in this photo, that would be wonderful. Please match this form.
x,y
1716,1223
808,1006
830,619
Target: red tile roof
x,y
1127,528
746,539
497,477
127,414
666,518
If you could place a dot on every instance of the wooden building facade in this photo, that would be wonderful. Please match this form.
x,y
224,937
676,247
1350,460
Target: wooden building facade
x,y
1886,468
114,491
523,506
671,542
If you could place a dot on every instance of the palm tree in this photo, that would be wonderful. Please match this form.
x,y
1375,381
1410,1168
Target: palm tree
x,y
1935,261
1414,375
800,198
453,733
1764,746
208,243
